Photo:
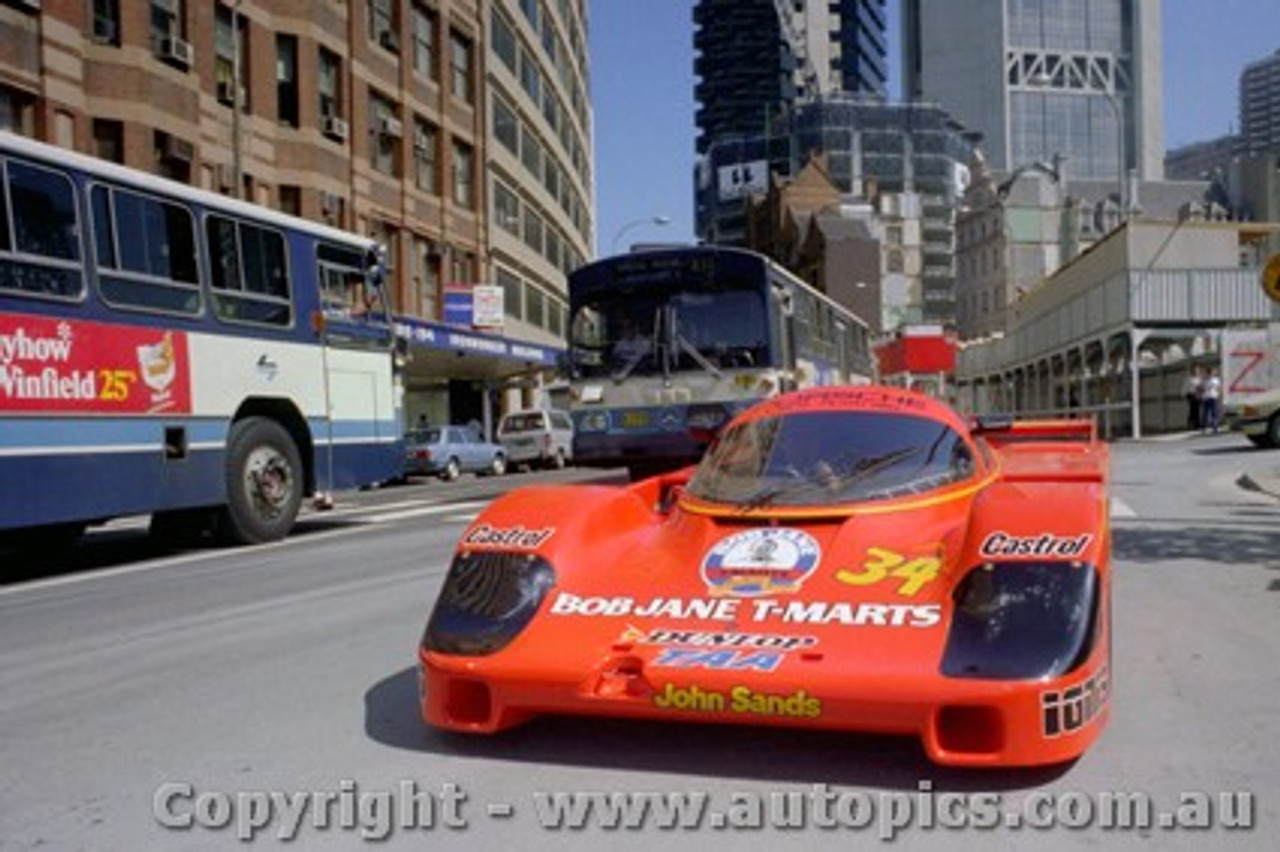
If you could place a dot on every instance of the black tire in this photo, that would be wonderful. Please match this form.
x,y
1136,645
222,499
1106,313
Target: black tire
x,y
264,482
451,470
499,465
181,527
1273,431
557,461
1260,441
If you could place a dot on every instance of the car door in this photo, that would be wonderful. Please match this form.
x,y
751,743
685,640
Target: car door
x,y
472,450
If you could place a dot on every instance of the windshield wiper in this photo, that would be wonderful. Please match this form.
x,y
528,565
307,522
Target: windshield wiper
x,y
701,360
837,483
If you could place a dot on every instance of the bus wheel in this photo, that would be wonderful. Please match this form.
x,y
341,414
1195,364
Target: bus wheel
x,y
264,482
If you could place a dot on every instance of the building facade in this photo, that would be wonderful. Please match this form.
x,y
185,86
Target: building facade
x,y
458,132
1260,105
1079,79
755,61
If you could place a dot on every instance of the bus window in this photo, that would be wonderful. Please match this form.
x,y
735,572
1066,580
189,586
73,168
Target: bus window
x,y
40,244
250,278
146,252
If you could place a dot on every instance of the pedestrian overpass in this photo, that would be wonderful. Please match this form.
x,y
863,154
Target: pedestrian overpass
x,y
1116,332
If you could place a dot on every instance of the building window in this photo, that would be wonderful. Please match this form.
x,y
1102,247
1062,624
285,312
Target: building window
x,y
506,125
106,21
229,57
463,169
506,208
424,43
426,157
535,309
330,84
504,40
168,31
462,267
108,140
533,230
382,24
426,278
386,131
530,9
531,155
287,80
530,77
291,199
512,293
460,66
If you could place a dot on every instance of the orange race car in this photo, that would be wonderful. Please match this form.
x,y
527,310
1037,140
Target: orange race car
x,y
851,558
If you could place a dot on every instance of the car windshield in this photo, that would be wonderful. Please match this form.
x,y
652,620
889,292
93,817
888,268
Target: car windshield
x,y
521,423
823,457
424,436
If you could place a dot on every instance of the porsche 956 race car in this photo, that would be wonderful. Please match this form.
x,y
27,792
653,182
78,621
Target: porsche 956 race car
x,y
855,558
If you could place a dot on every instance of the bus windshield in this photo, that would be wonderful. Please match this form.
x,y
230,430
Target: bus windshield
x,y
640,333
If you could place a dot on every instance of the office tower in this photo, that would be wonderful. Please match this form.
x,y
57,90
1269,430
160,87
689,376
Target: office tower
x,y
755,60
1260,105
1077,78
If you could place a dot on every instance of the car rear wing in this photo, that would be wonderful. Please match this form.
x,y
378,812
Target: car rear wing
x,y
1045,450
999,429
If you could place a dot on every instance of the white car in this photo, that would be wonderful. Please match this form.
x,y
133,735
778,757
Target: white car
x,y
1258,417
537,438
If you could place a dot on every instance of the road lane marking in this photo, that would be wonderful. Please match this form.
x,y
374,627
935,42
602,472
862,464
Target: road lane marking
x,y
1121,509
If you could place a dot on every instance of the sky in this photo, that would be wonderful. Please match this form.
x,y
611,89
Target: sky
x,y
642,91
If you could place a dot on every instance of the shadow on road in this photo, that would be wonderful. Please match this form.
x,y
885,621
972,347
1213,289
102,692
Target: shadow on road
x,y
725,751
1238,545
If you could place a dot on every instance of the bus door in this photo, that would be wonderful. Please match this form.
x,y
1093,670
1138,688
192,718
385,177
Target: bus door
x,y
357,322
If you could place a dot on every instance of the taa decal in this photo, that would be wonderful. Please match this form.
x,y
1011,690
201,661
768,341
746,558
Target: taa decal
x,y
733,661
513,537
881,565
1069,710
760,562
739,699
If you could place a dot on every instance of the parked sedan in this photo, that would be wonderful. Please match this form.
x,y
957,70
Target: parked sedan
x,y
448,451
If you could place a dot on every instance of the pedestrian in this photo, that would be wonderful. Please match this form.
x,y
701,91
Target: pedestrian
x,y
1193,392
1210,395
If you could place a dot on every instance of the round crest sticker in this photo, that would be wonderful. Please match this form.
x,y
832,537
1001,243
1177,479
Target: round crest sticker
x,y
760,562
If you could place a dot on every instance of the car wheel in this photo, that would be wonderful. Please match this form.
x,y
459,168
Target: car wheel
x,y
264,482
558,461
1273,431
451,470
1261,441
499,465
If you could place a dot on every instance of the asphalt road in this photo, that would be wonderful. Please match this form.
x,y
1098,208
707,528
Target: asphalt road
x,y
141,687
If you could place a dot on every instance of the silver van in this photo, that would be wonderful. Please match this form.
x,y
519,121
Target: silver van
x,y
537,438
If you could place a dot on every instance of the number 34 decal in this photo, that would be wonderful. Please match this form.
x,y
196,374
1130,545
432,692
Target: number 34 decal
x,y
913,573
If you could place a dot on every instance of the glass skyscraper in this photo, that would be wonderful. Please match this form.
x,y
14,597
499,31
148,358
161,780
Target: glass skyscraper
x,y
1037,78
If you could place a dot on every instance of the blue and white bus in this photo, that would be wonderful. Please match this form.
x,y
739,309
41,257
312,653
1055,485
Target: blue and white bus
x,y
667,344
170,351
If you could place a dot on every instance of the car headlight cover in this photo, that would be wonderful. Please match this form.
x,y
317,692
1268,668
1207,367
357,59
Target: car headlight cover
x,y
1022,620
487,599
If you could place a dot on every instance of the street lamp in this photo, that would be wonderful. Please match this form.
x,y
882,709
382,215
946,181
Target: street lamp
x,y
1044,82
652,220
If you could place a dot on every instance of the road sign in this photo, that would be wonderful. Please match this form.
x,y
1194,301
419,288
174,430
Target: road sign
x,y
1271,278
